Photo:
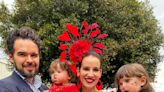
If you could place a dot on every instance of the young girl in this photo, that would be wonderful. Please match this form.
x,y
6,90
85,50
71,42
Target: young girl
x,y
132,78
61,77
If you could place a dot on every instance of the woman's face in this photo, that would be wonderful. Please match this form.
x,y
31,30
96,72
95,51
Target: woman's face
x,y
90,71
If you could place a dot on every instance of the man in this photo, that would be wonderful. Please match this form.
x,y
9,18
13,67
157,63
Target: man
x,y
23,48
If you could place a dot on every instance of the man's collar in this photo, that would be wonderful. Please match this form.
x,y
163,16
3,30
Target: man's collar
x,y
19,74
37,79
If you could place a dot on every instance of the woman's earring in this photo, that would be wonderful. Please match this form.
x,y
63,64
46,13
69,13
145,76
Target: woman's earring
x,y
99,85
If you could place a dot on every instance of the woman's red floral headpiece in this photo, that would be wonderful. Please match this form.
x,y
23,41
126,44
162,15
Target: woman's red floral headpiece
x,y
75,44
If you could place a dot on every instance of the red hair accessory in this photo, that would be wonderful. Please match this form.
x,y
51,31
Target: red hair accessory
x,y
75,44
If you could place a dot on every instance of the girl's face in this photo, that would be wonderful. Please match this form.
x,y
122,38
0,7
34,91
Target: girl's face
x,y
90,71
59,76
131,84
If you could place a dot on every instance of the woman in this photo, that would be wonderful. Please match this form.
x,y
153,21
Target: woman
x,y
89,72
77,46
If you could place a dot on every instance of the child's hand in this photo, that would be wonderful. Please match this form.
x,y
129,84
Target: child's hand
x,y
45,91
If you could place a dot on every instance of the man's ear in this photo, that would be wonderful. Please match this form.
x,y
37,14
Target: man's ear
x,y
11,58
143,80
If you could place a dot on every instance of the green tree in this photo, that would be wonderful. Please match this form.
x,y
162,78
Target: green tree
x,y
133,32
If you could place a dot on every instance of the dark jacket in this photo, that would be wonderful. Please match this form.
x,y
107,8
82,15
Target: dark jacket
x,y
15,83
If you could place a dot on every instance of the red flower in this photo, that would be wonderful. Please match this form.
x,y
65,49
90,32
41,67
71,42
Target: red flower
x,y
63,47
64,37
78,49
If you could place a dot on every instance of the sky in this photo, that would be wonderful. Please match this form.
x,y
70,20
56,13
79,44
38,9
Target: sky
x,y
158,6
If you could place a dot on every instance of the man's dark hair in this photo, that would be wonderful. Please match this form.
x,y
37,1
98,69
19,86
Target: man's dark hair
x,y
22,33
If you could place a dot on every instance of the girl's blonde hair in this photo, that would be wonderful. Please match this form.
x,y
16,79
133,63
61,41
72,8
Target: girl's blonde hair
x,y
134,70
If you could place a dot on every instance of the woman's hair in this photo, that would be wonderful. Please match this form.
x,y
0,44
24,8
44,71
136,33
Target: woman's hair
x,y
89,53
64,66
133,70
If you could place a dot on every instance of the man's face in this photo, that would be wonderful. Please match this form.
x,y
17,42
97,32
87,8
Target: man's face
x,y
25,57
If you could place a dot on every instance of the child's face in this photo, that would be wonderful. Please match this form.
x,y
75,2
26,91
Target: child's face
x,y
90,71
131,84
59,76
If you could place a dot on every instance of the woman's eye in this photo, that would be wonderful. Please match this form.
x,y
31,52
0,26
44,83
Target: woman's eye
x,y
95,69
86,68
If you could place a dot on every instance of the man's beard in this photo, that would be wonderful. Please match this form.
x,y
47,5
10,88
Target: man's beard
x,y
27,74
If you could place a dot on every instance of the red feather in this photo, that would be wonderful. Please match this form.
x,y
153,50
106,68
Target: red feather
x,y
63,47
64,37
69,26
99,45
72,29
63,55
85,31
102,36
94,25
85,24
73,68
95,33
97,50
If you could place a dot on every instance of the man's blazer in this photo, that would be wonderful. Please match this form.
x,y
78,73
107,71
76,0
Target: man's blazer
x,y
15,83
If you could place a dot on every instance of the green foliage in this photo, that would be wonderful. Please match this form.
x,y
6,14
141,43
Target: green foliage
x,y
133,32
